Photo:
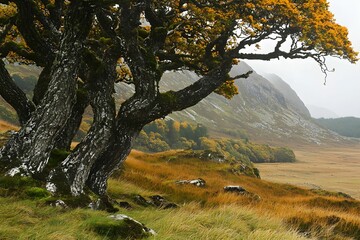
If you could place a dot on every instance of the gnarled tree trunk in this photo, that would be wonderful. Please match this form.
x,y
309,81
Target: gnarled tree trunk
x,y
67,134
137,112
29,149
118,149
76,167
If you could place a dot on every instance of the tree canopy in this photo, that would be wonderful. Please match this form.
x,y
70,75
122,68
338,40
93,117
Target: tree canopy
x,y
86,46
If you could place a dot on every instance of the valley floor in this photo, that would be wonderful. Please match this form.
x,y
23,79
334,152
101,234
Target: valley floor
x,y
333,169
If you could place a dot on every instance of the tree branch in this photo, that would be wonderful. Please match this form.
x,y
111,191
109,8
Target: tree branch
x,y
170,101
14,95
27,28
19,50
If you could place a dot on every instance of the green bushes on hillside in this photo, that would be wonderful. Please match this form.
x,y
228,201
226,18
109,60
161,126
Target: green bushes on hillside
x,y
162,135
246,151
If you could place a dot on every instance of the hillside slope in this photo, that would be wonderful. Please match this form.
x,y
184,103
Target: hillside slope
x,y
346,126
320,112
315,213
268,113
292,99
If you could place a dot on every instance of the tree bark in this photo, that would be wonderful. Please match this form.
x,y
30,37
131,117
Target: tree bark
x,y
76,167
14,95
66,136
118,149
31,147
42,84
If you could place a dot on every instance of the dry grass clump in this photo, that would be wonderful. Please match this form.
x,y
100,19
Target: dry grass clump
x,y
192,221
5,126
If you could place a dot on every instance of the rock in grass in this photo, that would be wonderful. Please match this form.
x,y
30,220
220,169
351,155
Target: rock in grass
x,y
125,205
157,200
129,220
118,226
235,189
197,182
161,202
169,205
242,191
140,200
60,204
103,203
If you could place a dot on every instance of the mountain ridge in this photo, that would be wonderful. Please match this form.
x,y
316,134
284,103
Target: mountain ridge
x,y
261,109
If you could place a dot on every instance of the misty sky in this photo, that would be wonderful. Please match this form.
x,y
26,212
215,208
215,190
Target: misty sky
x,y
342,91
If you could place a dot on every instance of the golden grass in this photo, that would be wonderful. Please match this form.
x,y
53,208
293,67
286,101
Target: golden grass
x,y
28,219
192,221
334,169
5,126
325,216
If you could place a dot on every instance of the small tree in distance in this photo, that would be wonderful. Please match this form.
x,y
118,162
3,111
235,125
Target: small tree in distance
x,y
85,46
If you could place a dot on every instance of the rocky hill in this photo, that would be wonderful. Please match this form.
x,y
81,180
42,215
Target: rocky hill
x,y
267,110
292,99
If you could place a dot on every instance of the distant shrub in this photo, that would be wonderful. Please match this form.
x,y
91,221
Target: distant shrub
x,y
262,153
162,135
283,154
184,143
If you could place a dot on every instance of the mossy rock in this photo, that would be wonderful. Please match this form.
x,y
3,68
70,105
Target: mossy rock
x,y
116,229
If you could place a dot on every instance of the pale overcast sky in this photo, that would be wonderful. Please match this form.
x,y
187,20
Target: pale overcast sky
x,y
342,91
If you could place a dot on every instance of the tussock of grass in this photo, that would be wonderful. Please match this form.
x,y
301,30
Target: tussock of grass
x,y
192,221
24,219
36,193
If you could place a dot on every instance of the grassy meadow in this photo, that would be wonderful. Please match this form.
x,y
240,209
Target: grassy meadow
x,y
334,169
268,211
